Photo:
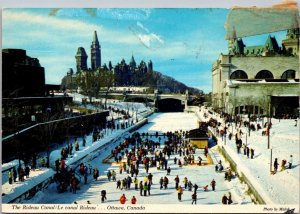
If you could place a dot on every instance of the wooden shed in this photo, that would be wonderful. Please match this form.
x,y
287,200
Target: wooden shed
x,y
198,137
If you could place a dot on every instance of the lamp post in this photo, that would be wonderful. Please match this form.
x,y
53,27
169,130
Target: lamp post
x,y
269,121
249,122
271,162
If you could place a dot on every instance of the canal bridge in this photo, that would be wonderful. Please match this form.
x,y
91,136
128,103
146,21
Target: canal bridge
x,y
162,102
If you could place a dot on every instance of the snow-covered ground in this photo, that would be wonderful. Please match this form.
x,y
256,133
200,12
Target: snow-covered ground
x,y
202,175
283,187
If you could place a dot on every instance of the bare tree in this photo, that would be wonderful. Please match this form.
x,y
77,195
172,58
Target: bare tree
x,y
48,127
106,81
89,84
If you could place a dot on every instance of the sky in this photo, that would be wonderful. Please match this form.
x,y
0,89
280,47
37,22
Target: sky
x,y
181,43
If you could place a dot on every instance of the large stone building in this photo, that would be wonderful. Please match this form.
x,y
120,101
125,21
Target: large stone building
x,y
126,74
25,96
258,80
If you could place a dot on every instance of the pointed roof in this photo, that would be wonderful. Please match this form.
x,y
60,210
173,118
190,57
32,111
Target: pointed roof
x,y
132,59
132,62
95,38
272,44
81,52
239,46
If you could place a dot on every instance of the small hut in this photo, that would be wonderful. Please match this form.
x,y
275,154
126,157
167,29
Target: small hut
x,y
198,137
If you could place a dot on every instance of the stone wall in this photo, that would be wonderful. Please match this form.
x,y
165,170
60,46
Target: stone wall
x,y
276,65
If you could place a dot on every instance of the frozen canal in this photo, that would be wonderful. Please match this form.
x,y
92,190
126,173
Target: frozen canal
x,y
201,175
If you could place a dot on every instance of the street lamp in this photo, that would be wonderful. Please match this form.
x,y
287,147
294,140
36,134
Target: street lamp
x,y
269,122
249,122
271,162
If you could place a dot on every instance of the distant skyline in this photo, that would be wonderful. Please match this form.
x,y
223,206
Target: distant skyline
x,y
182,43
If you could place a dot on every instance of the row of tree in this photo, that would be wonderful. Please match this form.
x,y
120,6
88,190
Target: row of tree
x,y
98,83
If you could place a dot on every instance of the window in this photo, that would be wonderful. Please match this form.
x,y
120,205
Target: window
x,y
239,74
264,74
289,74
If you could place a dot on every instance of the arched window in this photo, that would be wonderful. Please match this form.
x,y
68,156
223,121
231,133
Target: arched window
x,y
264,74
289,74
239,74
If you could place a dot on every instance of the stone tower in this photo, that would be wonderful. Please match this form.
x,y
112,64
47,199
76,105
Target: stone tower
x,y
150,66
231,41
291,42
81,59
95,52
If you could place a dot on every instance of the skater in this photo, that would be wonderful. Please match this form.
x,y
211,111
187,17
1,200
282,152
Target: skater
x,y
224,199
161,181
118,184
168,171
275,165
73,184
76,145
113,174
109,175
136,183
166,181
149,188
141,188
120,169
176,182
175,160
103,196
195,188
90,168
290,161
248,150
229,198
190,186
244,149
10,176
15,174
205,151
213,184
194,197
150,176
96,174
133,200
123,199
185,181
179,191
252,153
145,188
200,160
179,163
283,162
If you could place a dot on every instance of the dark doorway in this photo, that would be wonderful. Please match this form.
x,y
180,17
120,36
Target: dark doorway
x,y
170,105
286,106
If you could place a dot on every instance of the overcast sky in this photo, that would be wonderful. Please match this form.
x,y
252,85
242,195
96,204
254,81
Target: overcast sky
x,y
182,43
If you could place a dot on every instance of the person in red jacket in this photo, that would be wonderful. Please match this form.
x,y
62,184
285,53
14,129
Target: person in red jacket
x,y
133,200
123,199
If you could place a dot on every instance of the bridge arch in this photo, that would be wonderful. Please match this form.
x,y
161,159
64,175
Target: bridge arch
x,y
170,105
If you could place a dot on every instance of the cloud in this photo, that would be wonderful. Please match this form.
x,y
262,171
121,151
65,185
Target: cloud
x,y
142,26
124,13
147,38
150,40
47,21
